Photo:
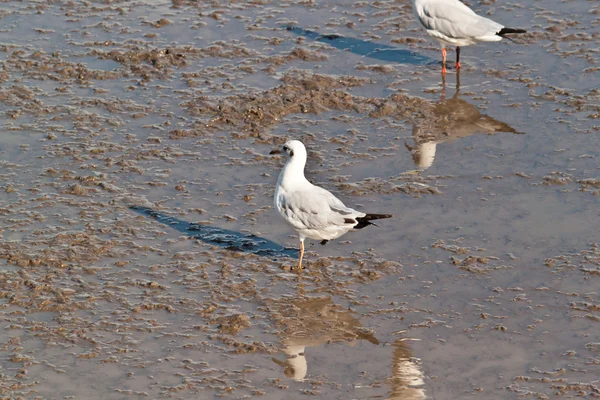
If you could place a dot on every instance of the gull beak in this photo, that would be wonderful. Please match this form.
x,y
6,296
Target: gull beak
x,y
275,151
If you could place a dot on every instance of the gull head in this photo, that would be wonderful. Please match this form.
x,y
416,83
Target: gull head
x,y
293,150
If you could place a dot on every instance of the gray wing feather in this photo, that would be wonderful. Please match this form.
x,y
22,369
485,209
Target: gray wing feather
x,y
317,209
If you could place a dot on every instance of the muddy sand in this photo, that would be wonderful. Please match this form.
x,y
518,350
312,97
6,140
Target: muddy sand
x,y
140,255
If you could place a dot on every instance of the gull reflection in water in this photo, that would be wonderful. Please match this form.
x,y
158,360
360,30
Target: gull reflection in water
x,y
446,121
407,377
312,322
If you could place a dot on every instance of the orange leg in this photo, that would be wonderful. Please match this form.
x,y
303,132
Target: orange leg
x,y
457,57
301,254
443,60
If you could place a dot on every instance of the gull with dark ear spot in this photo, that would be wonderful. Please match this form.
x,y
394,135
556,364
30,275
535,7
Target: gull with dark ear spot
x,y
312,211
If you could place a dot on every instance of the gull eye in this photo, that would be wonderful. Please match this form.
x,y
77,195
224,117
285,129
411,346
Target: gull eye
x,y
286,149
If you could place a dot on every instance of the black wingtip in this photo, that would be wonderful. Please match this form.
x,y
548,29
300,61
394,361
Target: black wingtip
x,y
376,216
366,220
505,31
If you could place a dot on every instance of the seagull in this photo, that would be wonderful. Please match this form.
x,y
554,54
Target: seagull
x,y
454,24
312,211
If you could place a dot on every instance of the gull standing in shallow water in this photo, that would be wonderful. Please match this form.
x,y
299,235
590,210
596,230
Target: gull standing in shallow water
x,y
312,211
454,24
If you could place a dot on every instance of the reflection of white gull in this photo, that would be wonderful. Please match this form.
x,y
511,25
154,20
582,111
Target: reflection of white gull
x,y
423,154
312,322
453,23
296,366
312,211
407,377
447,121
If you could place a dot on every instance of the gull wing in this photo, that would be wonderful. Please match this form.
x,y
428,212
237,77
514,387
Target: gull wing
x,y
317,208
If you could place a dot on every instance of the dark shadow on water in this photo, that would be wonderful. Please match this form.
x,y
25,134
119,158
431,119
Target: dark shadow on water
x,y
230,240
365,48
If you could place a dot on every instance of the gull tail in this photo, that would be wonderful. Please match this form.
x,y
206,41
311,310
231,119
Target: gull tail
x,y
505,31
366,220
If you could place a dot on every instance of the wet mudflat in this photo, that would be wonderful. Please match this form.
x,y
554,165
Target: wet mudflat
x,y
141,256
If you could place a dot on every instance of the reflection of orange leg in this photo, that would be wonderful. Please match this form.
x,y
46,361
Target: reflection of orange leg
x,y
301,254
443,60
443,93
457,57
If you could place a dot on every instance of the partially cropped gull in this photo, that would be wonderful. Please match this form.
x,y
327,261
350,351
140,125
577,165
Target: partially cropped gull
x,y
454,24
312,211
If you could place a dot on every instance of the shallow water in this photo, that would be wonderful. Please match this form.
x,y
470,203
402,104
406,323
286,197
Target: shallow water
x,y
483,285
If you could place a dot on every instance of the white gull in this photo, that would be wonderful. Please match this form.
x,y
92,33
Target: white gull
x,y
312,211
454,24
